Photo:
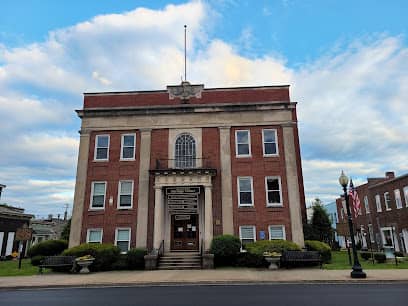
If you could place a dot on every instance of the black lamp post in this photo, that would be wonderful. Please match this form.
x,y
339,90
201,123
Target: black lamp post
x,y
357,269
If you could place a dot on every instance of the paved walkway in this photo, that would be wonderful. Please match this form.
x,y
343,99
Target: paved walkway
x,y
222,276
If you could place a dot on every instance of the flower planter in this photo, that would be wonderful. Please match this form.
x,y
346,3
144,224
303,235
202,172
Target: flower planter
x,y
84,264
273,262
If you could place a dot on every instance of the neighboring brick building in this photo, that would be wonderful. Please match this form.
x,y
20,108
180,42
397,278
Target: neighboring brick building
x,y
383,219
185,164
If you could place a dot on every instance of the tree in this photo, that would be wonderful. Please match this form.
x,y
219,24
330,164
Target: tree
x,y
66,231
320,223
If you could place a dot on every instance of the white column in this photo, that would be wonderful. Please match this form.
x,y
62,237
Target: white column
x,y
293,185
80,203
143,197
158,218
226,181
208,217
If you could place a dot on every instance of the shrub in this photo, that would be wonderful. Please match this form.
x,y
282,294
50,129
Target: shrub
x,y
105,254
380,257
48,248
279,246
250,260
225,249
36,260
121,263
365,255
323,248
135,258
398,254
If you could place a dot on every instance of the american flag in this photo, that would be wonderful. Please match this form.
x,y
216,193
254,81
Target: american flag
x,y
355,201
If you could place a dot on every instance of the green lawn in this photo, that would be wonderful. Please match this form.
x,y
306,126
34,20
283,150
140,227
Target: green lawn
x,y
10,268
340,261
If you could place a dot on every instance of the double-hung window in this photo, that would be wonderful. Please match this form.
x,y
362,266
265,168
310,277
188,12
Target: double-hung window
x,y
270,143
101,147
366,206
245,191
247,234
243,143
277,232
273,191
398,201
122,239
94,235
371,232
387,201
406,195
127,151
98,193
125,197
378,202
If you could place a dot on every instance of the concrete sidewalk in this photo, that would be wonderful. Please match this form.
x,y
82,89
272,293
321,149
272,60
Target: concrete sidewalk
x,y
218,276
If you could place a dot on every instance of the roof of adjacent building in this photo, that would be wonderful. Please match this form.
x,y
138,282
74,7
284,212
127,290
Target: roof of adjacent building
x,y
208,96
13,212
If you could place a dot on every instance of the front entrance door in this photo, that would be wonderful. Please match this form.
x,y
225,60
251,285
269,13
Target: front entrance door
x,y
184,232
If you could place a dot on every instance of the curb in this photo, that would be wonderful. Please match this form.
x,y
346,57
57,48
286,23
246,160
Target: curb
x,y
200,283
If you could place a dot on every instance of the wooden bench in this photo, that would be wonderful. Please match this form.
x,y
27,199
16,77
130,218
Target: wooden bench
x,y
57,261
293,258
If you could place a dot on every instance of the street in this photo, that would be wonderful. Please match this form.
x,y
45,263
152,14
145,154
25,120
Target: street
x,y
393,294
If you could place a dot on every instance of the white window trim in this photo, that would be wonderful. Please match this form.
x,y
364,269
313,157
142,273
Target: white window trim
x,y
276,143
378,202
134,147
280,191
252,192
398,192
277,225
116,236
249,144
95,149
93,229
387,204
387,228
131,195
366,205
92,193
405,191
240,235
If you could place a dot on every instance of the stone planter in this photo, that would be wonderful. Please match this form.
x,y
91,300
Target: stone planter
x,y
151,262
84,264
208,261
273,262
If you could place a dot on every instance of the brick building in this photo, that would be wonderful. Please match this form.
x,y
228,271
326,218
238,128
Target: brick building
x,y
182,165
382,222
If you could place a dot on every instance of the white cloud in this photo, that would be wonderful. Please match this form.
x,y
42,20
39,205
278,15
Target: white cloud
x,y
352,102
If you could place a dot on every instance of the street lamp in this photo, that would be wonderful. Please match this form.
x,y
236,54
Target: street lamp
x,y
357,269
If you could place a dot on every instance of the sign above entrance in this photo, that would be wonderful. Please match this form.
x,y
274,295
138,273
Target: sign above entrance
x,y
182,200
182,217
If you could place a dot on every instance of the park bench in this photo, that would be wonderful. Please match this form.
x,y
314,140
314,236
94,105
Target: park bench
x,y
296,258
57,262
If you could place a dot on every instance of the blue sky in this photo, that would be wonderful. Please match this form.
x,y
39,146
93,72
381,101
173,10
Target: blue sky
x,y
346,62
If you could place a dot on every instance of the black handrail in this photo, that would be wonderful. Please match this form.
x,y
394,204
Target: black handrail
x,y
160,250
201,253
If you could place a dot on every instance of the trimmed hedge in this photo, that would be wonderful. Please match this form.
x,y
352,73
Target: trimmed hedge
x,y
105,254
250,260
279,246
323,248
48,248
135,258
225,249
36,260
365,255
380,257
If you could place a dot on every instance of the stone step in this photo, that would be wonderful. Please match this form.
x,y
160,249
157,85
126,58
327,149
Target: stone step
x,y
179,268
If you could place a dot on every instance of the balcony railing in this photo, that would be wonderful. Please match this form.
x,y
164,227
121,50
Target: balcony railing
x,y
183,163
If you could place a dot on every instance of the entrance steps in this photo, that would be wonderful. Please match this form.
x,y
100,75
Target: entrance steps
x,y
180,261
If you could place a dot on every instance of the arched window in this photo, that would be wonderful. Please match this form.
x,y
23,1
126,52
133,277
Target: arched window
x,y
185,151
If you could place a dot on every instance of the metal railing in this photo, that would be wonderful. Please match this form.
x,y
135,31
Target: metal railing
x,y
183,163
160,250
201,253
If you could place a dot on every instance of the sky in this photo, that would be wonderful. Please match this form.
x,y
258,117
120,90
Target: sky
x,y
346,63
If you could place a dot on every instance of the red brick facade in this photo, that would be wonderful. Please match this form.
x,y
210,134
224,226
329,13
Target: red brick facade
x,y
117,106
394,218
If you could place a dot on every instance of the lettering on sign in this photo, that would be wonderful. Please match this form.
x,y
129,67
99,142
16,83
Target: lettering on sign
x,y
24,234
182,217
182,199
